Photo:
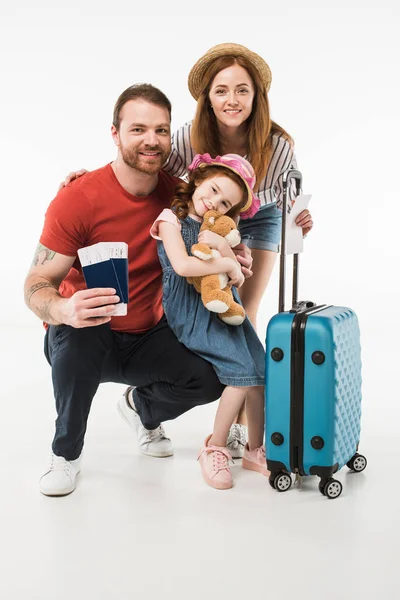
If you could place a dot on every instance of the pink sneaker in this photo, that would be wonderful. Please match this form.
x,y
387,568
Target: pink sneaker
x,y
254,460
214,463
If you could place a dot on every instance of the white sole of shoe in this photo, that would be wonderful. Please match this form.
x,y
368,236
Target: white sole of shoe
x,y
165,454
157,454
58,494
65,492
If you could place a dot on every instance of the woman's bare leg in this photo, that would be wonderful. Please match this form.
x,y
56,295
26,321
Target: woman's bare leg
x,y
253,289
251,294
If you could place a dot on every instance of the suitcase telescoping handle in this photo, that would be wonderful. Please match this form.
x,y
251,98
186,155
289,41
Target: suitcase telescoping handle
x,y
290,175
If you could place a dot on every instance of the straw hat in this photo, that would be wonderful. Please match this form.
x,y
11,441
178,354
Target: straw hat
x,y
196,75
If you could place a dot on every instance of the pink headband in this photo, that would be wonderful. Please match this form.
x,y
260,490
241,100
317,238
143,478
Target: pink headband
x,y
241,167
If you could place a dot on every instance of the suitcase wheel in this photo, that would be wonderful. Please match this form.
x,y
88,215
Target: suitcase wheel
x,y
271,481
281,482
331,488
357,463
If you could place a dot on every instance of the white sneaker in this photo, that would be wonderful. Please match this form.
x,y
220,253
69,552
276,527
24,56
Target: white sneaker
x,y
237,440
152,442
59,480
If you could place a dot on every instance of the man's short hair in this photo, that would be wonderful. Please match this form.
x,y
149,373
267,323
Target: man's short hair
x,y
140,91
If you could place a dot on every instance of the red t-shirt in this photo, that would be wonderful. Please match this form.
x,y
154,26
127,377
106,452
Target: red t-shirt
x,y
96,208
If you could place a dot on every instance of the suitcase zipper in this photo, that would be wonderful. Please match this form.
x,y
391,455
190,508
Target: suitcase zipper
x,y
297,388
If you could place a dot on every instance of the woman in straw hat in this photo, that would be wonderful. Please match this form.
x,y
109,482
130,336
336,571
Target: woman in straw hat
x,y
230,84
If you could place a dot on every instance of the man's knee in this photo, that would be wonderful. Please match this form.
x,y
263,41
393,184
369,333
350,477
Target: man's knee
x,y
210,387
75,348
78,339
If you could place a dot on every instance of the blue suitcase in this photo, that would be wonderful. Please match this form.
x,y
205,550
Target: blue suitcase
x,y
313,386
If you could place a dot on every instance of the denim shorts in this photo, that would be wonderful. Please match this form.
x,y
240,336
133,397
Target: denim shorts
x,y
263,231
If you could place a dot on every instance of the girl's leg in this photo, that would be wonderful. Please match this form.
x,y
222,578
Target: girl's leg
x,y
214,456
254,453
255,416
231,400
241,417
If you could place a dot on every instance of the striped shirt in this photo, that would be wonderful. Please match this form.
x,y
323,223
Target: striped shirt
x,y
270,190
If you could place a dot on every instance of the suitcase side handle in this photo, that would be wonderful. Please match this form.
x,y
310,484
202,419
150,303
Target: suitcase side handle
x,y
301,306
292,174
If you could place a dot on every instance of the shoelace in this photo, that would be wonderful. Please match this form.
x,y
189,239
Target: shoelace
x,y
261,453
156,434
220,456
242,435
57,463
237,436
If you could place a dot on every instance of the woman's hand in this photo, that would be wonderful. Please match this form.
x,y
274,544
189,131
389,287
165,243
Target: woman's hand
x,y
215,241
244,257
235,274
304,220
73,175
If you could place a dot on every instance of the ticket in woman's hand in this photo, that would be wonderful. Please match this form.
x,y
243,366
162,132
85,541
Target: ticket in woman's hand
x,y
294,233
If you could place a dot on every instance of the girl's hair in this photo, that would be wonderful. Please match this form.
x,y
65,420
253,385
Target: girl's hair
x,y
185,190
205,135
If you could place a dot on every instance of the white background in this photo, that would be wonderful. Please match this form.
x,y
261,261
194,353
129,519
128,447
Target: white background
x,y
335,88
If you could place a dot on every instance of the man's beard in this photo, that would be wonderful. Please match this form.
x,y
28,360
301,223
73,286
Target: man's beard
x,y
135,160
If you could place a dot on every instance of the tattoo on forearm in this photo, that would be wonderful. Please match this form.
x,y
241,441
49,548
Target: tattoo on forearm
x,y
43,311
34,288
42,255
42,307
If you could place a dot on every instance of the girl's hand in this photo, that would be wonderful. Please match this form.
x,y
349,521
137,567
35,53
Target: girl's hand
x,y
212,239
235,274
73,175
304,220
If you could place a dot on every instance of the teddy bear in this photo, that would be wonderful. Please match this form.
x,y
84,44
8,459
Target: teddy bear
x,y
215,292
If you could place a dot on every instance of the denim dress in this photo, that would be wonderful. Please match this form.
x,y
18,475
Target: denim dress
x,y
235,352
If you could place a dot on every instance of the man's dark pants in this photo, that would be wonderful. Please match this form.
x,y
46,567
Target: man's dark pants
x,y
170,379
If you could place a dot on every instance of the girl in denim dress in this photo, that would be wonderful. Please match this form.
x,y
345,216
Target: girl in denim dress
x,y
224,184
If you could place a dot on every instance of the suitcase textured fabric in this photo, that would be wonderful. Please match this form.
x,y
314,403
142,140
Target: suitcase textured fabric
x,y
313,391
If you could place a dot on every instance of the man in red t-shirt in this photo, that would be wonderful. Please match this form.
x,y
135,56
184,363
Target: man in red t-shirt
x,y
85,345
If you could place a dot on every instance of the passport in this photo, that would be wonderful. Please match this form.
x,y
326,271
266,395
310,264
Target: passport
x,y
105,264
